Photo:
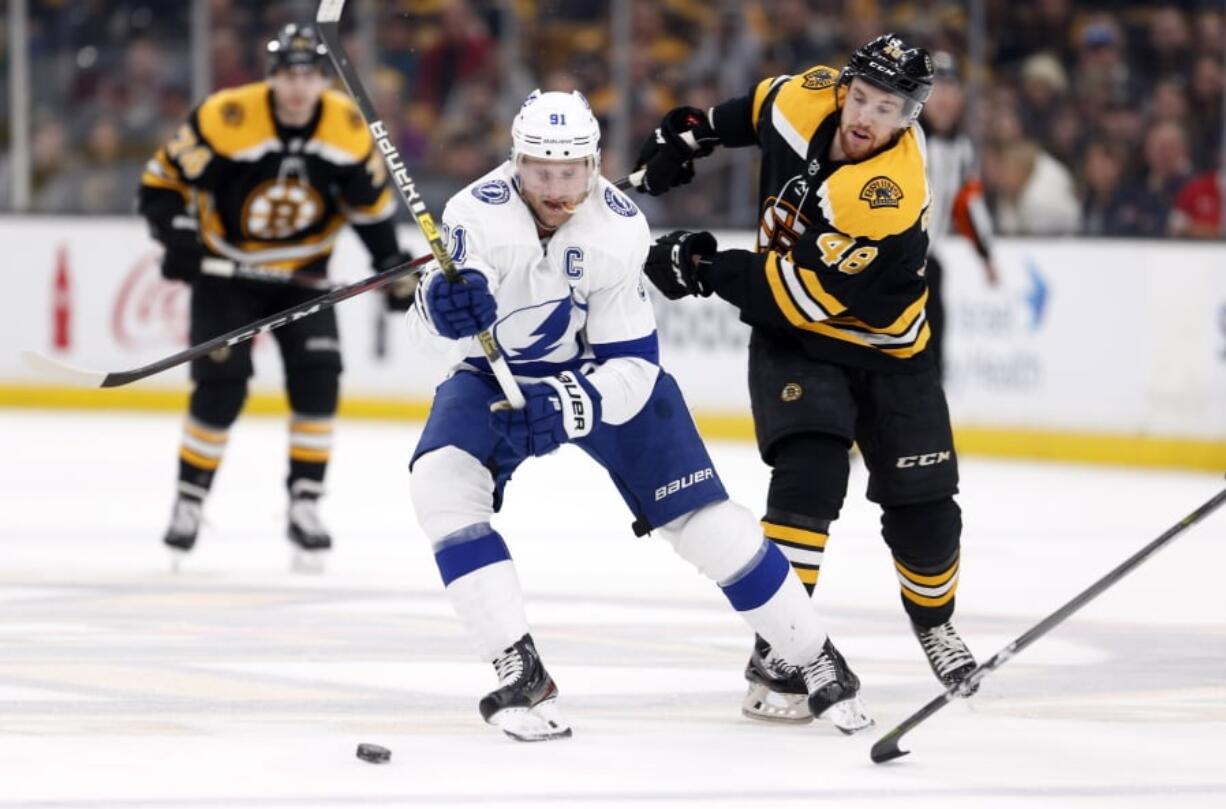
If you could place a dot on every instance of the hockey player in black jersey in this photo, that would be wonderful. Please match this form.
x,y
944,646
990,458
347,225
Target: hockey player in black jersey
x,y
266,175
835,294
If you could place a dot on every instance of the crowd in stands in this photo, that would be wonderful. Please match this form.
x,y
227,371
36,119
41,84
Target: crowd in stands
x,y
1093,118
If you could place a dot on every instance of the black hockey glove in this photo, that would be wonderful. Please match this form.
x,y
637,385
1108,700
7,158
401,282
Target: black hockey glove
x,y
667,156
674,263
181,261
398,295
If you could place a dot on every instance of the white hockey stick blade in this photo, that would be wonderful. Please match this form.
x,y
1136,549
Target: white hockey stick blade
x,y
46,366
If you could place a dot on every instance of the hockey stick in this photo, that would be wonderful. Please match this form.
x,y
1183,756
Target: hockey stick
x,y
886,748
114,379
328,21
631,182
225,268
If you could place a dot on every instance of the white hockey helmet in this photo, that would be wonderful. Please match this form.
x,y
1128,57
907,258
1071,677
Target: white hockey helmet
x,y
557,126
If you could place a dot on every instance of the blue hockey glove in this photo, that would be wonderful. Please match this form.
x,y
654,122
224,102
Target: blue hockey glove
x,y
458,310
674,263
557,409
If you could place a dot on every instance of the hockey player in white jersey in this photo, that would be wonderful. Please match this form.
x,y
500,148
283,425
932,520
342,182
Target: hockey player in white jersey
x,y
551,255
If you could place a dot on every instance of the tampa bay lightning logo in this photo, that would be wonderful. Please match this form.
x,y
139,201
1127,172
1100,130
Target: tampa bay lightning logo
x,y
549,332
618,203
494,192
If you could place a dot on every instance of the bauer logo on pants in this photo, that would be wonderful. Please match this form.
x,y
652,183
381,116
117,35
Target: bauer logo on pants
x,y
686,482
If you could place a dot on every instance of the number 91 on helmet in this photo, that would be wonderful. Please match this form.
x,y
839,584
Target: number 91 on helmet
x,y
555,153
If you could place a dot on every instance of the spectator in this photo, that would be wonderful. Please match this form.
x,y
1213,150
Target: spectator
x,y
1150,199
1168,50
463,51
1205,90
1032,191
1102,74
1044,84
1103,209
1198,207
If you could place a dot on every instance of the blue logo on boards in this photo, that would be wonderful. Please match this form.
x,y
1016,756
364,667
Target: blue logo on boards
x,y
618,203
1036,296
494,192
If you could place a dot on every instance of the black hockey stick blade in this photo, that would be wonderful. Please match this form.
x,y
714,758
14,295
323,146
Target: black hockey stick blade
x,y
113,379
886,748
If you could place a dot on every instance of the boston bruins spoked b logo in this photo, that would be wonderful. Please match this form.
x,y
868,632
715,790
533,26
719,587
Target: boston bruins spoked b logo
x,y
881,192
280,209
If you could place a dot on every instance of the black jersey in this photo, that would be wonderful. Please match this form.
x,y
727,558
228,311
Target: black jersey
x,y
841,247
266,194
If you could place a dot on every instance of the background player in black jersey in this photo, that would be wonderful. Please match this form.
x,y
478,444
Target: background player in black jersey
x,y
266,175
835,293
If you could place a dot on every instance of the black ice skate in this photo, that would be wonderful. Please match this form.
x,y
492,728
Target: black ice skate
x,y
524,706
185,519
308,534
834,691
777,691
948,655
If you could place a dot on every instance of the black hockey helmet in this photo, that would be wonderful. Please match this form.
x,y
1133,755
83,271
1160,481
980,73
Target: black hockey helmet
x,y
296,45
887,62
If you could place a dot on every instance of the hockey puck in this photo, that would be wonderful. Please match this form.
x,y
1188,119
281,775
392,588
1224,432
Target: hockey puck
x,y
374,753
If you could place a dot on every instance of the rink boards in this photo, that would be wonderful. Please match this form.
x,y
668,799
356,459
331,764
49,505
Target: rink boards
x,y
1087,349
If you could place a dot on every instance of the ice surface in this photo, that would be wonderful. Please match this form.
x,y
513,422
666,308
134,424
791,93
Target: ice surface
x,y
238,683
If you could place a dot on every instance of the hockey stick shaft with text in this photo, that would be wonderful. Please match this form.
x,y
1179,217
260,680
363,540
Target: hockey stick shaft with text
x,y
328,20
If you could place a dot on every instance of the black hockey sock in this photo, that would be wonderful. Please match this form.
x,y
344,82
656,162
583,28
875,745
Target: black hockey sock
x,y
802,540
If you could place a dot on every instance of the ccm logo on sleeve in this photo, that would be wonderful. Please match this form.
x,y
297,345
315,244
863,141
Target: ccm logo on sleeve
x,y
684,483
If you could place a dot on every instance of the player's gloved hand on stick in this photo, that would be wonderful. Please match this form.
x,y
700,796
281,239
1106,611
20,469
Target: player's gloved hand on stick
x,y
667,156
674,263
181,261
460,309
558,409
397,296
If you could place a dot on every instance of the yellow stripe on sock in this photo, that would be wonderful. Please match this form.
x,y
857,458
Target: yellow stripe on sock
x,y
198,460
928,581
308,455
786,532
925,601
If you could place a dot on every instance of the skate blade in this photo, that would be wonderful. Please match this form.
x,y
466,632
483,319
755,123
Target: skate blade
x,y
849,716
772,706
308,562
539,724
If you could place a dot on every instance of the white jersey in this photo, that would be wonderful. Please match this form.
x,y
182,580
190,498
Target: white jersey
x,y
577,300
